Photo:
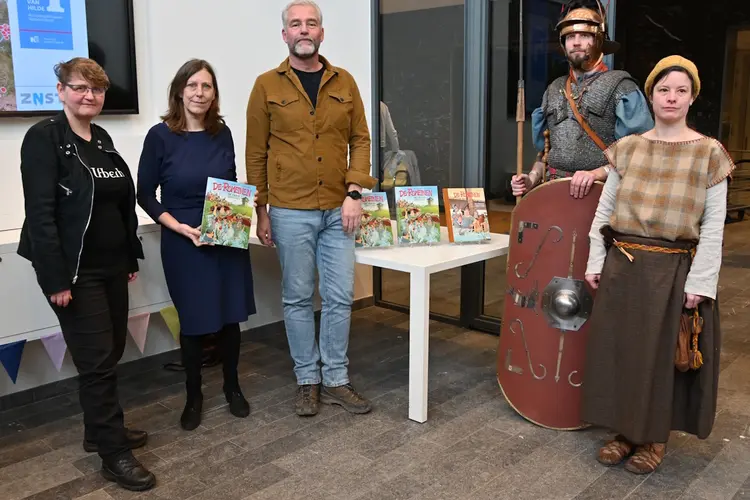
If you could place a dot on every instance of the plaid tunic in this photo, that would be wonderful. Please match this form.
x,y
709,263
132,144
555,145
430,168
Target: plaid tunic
x,y
662,192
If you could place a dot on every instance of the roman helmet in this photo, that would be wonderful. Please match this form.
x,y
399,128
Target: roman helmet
x,y
587,16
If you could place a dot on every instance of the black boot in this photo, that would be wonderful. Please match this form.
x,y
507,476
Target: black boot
x,y
192,356
127,472
229,346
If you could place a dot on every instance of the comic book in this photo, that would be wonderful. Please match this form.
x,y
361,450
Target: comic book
x,y
467,209
417,215
227,213
375,225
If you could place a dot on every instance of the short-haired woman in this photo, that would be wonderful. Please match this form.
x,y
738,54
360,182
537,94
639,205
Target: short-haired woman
x,y
655,256
80,236
211,286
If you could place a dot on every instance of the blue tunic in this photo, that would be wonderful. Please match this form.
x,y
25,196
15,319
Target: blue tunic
x,y
211,286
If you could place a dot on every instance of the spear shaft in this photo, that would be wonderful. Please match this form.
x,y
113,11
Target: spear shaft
x,y
521,98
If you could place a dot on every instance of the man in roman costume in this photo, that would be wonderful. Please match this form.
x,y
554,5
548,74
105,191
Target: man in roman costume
x,y
585,111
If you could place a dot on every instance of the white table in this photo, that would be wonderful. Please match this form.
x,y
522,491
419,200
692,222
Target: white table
x,y
420,262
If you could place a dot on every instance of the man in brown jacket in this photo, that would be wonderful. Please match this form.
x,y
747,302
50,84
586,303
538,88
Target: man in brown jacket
x,y
303,119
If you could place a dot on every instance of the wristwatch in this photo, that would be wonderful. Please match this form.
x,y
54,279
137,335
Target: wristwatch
x,y
354,195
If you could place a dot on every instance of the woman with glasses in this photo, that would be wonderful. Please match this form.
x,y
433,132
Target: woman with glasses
x,y
80,236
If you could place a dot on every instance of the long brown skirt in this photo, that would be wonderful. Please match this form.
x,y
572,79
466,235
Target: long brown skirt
x,y
630,384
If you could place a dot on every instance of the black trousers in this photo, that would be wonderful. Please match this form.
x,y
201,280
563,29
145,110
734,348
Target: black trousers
x,y
94,325
191,346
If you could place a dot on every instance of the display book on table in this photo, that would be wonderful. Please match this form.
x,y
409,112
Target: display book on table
x,y
466,215
227,213
374,230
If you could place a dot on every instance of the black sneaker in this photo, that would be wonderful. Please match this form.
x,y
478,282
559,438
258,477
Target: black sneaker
x,y
128,473
308,400
346,397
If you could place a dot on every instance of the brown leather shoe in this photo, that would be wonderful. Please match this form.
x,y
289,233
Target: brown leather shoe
x,y
308,400
346,397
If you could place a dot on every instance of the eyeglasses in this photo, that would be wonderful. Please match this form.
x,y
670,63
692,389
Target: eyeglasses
x,y
83,89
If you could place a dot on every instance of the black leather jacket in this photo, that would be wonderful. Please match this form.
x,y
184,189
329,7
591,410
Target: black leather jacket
x,y
58,190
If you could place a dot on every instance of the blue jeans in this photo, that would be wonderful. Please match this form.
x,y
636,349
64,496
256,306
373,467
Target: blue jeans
x,y
305,238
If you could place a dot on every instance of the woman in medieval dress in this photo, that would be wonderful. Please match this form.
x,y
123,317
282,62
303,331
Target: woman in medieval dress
x,y
655,253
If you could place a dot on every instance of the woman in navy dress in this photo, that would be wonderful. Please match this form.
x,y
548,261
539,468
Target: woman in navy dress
x,y
211,286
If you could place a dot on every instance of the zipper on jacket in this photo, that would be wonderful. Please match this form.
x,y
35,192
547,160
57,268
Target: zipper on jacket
x,y
91,210
113,152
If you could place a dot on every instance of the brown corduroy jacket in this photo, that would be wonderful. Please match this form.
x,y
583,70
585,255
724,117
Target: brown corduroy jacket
x,y
297,155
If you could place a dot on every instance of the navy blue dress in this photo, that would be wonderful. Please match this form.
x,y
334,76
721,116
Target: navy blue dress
x,y
211,286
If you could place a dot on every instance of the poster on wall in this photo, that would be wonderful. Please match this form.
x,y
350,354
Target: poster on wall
x,y
34,36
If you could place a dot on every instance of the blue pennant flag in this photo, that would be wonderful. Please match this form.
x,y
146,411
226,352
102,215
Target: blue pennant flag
x,y
10,357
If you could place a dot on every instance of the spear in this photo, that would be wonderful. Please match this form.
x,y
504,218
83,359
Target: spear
x,y
521,99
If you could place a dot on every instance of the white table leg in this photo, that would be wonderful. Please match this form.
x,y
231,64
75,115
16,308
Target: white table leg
x,y
419,339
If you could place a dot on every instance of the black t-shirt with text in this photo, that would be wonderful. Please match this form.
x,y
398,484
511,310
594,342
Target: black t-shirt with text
x,y
105,244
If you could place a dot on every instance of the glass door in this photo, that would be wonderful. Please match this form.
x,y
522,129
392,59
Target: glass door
x,y
420,82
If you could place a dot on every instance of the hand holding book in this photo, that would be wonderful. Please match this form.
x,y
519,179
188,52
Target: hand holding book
x,y
194,233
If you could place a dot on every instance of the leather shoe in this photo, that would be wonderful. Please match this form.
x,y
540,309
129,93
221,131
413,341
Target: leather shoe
x,y
238,405
135,439
191,415
128,473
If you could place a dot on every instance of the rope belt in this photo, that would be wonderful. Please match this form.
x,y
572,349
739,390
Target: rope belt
x,y
624,247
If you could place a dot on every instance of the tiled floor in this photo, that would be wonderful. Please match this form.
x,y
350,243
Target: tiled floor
x,y
472,447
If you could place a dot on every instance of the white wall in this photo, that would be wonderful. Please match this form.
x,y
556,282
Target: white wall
x,y
241,39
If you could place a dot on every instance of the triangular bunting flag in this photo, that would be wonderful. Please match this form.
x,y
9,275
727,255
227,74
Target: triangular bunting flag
x,y
172,320
138,328
10,357
55,346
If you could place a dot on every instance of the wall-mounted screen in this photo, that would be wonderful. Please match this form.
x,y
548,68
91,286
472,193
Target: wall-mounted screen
x,y
37,34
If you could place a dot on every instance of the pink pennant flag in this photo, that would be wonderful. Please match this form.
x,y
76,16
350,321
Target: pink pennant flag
x,y
55,346
138,328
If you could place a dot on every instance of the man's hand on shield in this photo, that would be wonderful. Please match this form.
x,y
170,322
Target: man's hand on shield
x,y
581,183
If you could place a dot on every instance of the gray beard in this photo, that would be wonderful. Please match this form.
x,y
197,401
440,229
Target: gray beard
x,y
294,51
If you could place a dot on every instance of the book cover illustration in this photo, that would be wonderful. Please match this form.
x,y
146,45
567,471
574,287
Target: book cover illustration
x,y
227,213
469,221
417,215
375,225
